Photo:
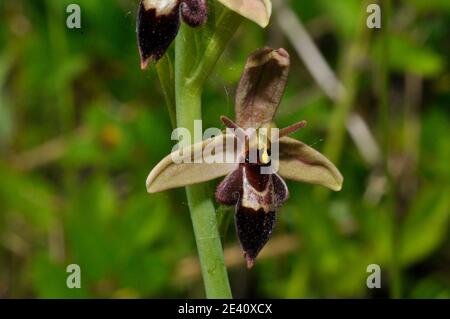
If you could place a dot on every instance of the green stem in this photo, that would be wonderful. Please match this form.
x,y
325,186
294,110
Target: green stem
x,y
189,81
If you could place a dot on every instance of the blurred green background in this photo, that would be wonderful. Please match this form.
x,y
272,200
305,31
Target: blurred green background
x,y
81,126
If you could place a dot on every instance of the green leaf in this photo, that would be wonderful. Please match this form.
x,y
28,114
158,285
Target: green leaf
x,y
426,226
166,76
407,56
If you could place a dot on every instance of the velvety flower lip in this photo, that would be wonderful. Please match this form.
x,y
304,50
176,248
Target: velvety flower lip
x,y
158,22
256,196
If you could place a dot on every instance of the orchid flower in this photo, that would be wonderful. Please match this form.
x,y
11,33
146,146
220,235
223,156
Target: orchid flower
x,y
256,195
158,21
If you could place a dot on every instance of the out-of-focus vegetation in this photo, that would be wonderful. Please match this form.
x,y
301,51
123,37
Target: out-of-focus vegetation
x,y
81,126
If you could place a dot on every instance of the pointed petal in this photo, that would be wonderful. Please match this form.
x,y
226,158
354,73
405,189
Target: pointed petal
x,y
168,174
261,87
156,27
254,229
302,163
258,11
229,190
292,128
281,192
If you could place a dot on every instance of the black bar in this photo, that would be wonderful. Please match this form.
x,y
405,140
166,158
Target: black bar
x,y
260,308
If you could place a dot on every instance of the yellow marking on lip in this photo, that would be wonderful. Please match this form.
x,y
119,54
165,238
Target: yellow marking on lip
x,y
263,145
265,157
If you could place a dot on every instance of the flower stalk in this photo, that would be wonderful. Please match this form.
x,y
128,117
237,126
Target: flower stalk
x,y
251,184
189,81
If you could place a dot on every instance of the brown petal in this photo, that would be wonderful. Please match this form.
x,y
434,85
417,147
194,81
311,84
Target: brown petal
x,y
281,192
261,87
157,26
167,174
254,229
230,189
302,163
158,22
258,11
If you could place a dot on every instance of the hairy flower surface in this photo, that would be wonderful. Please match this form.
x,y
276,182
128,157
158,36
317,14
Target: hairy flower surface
x,y
158,21
256,193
